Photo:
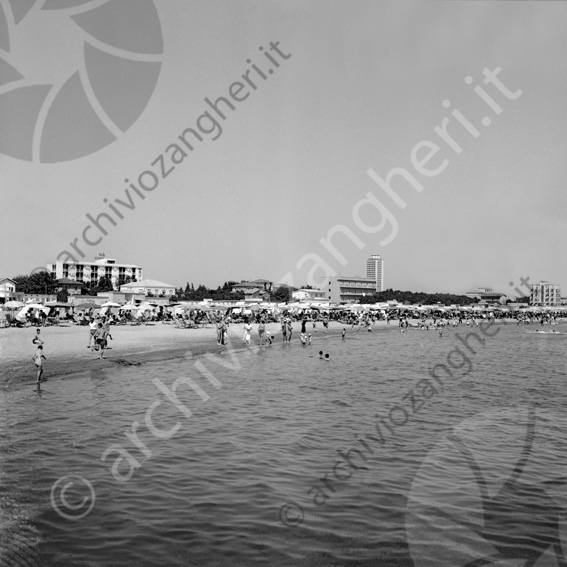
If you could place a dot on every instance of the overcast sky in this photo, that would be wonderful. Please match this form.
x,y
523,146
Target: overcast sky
x,y
360,86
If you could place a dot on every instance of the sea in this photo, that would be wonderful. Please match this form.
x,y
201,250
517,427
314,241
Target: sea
x,y
413,448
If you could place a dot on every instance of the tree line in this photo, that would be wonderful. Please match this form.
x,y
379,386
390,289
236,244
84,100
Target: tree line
x,y
418,298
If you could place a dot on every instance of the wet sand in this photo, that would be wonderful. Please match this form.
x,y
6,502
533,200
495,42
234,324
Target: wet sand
x,y
65,346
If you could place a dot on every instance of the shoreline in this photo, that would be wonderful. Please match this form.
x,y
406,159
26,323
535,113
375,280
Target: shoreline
x,y
66,346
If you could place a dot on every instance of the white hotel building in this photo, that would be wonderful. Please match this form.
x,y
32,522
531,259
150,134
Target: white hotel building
x,y
545,294
88,272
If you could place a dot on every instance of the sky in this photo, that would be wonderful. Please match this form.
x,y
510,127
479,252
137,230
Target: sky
x,y
461,103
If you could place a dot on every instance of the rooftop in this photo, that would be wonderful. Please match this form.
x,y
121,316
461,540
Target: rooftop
x,y
147,283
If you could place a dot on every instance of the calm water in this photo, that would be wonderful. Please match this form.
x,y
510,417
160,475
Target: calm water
x,y
470,472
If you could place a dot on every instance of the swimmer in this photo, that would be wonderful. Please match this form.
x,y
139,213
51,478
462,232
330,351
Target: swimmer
x,y
327,357
303,338
344,334
440,333
321,354
309,339
268,338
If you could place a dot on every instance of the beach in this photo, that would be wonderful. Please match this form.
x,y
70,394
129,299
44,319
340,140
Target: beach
x,y
65,346
266,456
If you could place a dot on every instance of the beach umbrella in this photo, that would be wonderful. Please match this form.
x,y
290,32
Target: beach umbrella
x,y
110,304
129,307
87,305
13,304
57,304
190,306
35,306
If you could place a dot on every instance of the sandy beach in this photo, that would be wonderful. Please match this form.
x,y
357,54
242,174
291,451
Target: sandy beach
x,y
65,346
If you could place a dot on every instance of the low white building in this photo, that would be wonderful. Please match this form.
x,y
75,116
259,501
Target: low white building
x,y
309,295
7,289
349,289
148,287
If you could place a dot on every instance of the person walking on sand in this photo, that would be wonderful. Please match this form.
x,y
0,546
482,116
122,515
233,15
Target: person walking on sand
x,y
93,326
220,329
107,335
246,336
38,359
37,339
100,340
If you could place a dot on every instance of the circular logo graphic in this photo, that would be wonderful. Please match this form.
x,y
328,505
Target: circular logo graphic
x,y
76,488
492,492
74,74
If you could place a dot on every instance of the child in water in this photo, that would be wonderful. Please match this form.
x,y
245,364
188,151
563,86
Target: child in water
x,y
38,359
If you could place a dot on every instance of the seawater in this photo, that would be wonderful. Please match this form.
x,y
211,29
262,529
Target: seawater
x,y
449,484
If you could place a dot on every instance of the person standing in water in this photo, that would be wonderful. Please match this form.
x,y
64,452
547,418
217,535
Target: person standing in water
x,y
289,330
261,331
38,359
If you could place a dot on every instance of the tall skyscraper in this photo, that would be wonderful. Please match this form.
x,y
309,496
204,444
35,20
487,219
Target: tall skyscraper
x,y
375,270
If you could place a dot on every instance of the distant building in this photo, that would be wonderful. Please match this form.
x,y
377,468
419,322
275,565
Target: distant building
x,y
91,272
72,287
8,292
375,270
486,296
348,289
147,287
545,294
309,295
255,289
7,289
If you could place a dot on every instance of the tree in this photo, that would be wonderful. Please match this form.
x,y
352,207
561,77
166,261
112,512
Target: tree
x,y
123,280
282,293
39,282
63,295
418,298
105,284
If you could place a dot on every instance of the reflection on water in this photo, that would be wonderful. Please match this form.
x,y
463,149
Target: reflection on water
x,y
211,468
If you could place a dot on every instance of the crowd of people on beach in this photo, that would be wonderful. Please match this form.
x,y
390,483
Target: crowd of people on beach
x,y
99,324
